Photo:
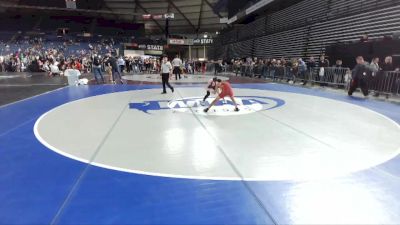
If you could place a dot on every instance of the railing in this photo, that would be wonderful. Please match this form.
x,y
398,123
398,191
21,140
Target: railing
x,y
387,83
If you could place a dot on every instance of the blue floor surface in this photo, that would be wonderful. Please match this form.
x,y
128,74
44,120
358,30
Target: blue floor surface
x,y
38,186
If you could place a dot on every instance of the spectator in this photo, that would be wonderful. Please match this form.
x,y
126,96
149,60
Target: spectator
x,y
97,69
375,66
121,64
388,64
376,76
322,64
339,64
302,67
54,70
116,75
338,74
177,64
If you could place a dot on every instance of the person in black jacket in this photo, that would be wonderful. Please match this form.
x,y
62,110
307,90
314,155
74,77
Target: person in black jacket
x,y
360,76
116,75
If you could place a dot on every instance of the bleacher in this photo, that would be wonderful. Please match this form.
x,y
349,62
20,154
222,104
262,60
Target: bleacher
x,y
240,49
345,7
297,15
287,43
376,23
308,27
256,28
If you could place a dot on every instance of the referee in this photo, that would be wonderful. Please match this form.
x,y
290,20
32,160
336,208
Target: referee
x,y
177,63
166,72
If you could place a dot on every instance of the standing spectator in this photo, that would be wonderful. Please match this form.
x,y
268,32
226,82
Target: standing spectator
x,y
322,64
128,64
97,69
302,67
338,74
387,83
388,64
375,68
311,64
121,64
116,75
190,68
177,63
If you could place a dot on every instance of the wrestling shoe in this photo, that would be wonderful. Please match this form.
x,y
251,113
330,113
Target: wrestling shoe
x,y
236,109
206,110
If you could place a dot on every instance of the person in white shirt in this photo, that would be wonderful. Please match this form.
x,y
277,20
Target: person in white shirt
x,y
121,64
177,64
73,75
166,72
54,70
211,88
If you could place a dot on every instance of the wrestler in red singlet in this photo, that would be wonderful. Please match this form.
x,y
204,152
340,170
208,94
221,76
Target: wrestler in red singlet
x,y
226,90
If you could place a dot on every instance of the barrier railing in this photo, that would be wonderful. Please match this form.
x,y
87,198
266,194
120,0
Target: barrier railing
x,y
381,83
330,75
213,68
386,83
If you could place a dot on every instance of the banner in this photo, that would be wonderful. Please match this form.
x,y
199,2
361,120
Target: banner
x,y
169,16
203,41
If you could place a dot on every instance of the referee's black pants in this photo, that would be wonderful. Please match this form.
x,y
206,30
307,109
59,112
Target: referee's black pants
x,y
357,82
177,72
165,81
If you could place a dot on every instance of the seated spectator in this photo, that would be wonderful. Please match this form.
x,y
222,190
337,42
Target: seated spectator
x,y
54,70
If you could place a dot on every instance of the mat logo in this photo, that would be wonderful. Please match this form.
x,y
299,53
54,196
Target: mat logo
x,y
247,104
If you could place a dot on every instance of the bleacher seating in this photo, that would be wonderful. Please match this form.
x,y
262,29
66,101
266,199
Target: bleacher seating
x,y
240,49
345,7
308,27
376,23
256,28
297,15
287,43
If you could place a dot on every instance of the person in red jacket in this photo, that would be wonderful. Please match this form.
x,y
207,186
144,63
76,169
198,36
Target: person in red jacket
x,y
224,90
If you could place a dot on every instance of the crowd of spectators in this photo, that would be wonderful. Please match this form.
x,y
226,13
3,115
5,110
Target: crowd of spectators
x,y
316,70
259,67
54,57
